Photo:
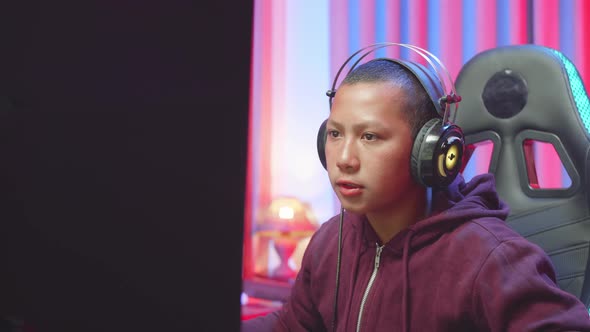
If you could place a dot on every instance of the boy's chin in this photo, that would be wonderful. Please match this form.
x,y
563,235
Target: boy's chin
x,y
352,208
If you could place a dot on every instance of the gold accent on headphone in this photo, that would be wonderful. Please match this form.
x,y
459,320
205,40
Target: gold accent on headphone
x,y
441,169
452,157
448,160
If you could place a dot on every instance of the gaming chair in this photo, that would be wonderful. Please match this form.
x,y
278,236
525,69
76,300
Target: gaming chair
x,y
512,96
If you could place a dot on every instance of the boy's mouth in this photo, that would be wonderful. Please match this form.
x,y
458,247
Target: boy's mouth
x,y
348,184
347,188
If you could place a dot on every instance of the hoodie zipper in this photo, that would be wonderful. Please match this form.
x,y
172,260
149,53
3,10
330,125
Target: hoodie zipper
x,y
369,285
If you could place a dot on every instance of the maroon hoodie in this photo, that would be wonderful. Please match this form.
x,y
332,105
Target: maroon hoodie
x,y
461,269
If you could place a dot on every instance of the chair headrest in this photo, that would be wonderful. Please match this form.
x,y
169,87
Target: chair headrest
x,y
513,88
521,92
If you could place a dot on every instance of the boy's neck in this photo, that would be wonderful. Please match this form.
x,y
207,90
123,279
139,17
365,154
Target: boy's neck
x,y
413,208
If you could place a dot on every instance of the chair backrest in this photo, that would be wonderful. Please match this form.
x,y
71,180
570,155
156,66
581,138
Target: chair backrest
x,y
514,96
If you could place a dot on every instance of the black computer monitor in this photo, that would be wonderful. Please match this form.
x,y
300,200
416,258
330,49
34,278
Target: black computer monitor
x,y
123,139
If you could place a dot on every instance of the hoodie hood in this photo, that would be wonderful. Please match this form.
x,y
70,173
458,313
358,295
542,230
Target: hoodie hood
x,y
453,206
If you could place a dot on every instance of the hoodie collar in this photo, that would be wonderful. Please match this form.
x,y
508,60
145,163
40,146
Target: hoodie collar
x,y
457,204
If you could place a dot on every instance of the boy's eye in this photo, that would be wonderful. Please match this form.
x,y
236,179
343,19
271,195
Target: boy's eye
x,y
333,133
369,136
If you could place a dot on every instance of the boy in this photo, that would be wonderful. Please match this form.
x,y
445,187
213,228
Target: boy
x,y
411,262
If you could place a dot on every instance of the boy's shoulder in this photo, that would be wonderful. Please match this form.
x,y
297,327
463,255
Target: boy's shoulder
x,y
489,234
494,228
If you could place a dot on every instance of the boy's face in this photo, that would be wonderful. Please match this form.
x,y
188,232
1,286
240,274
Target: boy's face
x,y
368,148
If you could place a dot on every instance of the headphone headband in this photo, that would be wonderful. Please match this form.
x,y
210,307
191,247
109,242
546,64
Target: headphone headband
x,y
451,97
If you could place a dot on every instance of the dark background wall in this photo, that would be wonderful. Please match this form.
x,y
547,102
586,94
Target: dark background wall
x,y
123,140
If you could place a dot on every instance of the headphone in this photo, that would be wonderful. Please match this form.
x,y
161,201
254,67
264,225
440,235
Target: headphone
x,y
437,151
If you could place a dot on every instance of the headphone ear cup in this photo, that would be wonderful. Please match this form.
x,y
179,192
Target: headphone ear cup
x,y
321,143
437,154
420,152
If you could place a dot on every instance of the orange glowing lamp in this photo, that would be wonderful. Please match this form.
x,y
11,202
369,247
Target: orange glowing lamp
x,y
286,221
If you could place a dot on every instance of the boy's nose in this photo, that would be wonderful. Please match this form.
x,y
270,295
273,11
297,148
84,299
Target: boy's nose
x,y
348,160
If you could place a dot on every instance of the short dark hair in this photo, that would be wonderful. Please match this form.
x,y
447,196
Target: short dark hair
x,y
420,108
